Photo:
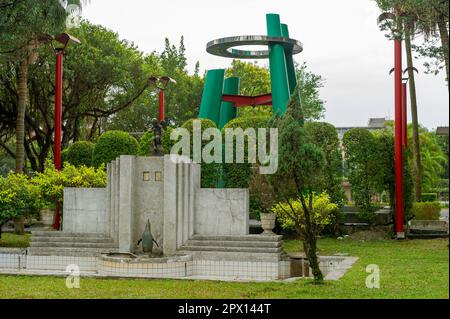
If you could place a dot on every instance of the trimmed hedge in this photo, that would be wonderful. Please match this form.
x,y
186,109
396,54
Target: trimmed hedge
x,y
239,175
146,142
429,197
210,173
111,145
80,154
427,211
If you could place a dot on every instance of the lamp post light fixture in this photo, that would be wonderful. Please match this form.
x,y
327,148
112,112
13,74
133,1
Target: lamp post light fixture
x,y
161,83
63,39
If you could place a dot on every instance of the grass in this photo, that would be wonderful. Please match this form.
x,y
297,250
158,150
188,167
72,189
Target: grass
x,y
13,240
409,269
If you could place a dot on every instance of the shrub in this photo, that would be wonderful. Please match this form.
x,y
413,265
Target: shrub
x,y
427,211
146,142
429,197
238,175
111,145
210,173
51,183
80,153
18,198
324,213
324,135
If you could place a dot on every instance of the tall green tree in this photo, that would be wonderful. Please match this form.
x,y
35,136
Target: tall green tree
x,y
26,26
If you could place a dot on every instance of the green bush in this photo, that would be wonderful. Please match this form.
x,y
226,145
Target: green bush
x,y
238,175
209,172
429,197
325,213
19,197
146,142
51,183
324,135
111,145
80,153
427,211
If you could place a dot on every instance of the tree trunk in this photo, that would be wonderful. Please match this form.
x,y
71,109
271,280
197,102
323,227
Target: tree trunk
x,y
20,120
442,24
415,121
19,227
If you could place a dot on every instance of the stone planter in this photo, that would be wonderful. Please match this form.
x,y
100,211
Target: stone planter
x,y
268,224
47,217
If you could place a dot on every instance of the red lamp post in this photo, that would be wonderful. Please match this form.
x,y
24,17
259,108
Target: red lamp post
x,y
64,39
399,229
161,84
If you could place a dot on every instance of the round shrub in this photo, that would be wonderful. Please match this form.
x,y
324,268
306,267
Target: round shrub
x,y
80,154
210,173
146,142
111,145
238,175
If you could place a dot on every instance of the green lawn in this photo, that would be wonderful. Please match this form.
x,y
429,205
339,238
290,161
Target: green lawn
x,y
16,241
409,269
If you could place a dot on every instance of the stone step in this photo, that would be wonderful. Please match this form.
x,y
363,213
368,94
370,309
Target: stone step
x,y
68,251
44,233
107,245
232,249
232,243
233,256
246,238
38,239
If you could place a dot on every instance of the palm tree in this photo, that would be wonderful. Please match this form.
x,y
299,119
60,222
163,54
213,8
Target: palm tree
x,y
54,13
402,23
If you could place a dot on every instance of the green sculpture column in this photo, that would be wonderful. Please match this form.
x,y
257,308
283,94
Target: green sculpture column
x,y
227,111
292,76
212,96
278,70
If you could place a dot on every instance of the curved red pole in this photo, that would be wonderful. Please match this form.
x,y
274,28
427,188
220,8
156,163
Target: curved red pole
x,y
58,123
398,142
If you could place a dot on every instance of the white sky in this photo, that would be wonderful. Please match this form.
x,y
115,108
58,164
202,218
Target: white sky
x,y
341,40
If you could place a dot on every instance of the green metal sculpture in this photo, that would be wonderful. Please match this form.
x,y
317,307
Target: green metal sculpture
x,y
220,96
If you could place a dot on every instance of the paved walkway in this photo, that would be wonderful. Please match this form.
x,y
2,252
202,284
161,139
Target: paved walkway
x,y
444,214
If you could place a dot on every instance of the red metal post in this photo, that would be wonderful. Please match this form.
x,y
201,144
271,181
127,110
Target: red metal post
x,y
161,106
404,116
58,122
398,142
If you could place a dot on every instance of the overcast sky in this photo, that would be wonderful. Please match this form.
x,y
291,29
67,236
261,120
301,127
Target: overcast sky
x,y
341,42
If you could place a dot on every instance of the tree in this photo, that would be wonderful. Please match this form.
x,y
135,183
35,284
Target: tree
x,y
366,171
102,76
301,165
25,26
400,17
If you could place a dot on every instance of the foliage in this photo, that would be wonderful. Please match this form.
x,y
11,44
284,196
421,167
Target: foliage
x,y
18,197
111,145
51,183
427,211
209,171
324,213
237,175
366,171
14,240
300,170
429,197
80,153
324,135
146,142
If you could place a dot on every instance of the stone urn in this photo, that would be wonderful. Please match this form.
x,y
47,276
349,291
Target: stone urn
x,y
268,224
